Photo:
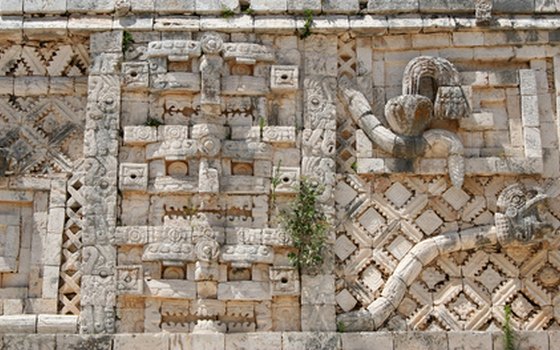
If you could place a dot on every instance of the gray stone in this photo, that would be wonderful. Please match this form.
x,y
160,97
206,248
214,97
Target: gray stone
x,y
29,342
371,341
254,341
392,6
216,6
515,6
97,6
420,341
469,340
269,6
83,342
141,341
446,6
311,341
44,6
299,6
341,6
11,7
175,6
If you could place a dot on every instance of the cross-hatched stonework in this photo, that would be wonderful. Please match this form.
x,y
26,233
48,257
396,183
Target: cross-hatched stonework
x,y
148,151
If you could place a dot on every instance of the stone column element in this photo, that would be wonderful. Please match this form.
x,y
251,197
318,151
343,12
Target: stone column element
x,y
101,146
318,163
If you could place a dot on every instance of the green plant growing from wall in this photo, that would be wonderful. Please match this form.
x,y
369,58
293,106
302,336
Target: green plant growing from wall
x,y
127,41
307,225
274,182
306,30
153,122
262,124
227,12
509,336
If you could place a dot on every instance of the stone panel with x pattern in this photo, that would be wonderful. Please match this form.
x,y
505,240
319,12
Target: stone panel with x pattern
x,y
385,217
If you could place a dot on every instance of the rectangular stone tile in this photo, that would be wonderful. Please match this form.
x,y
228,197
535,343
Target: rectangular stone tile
x,y
370,341
141,341
469,340
420,341
311,341
254,341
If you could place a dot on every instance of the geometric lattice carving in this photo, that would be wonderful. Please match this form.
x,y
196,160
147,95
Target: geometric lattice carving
x,y
70,275
42,134
346,128
386,216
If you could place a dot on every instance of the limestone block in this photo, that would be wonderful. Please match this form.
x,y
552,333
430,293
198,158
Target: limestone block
x,y
171,289
420,341
135,75
530,111
345,300
18,323
11,7
308,340
244,85
183,81
254,341
29,341
110,42
57,324
478,121
130,280
51,276
469,340
517,6
44,6
318,289
359,341
91,6
141,341
208,341
139,135
341,6
276,24
269,6
89,341
12,306
284,280
216,6
446,6
288,179
175,6
244,290
133,177
284,78
391,6
299,6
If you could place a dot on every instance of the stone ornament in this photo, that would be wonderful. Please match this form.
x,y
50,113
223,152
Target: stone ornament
x,y
284,78
410,114
517,222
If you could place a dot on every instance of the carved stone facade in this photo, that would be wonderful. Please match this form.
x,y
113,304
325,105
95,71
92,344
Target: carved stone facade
x,y
147,153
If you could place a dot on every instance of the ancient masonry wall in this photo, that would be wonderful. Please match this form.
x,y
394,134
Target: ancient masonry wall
x,y
147,148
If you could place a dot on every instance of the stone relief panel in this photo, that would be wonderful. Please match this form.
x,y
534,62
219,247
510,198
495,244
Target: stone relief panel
x,y
198,246
386,275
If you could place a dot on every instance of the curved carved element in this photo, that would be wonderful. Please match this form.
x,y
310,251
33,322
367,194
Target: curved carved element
x,y
518,219
449,100
408,115
453,147
385,138
518,222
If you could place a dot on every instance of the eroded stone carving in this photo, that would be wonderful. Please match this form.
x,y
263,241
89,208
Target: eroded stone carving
x,y
517,222
410,114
